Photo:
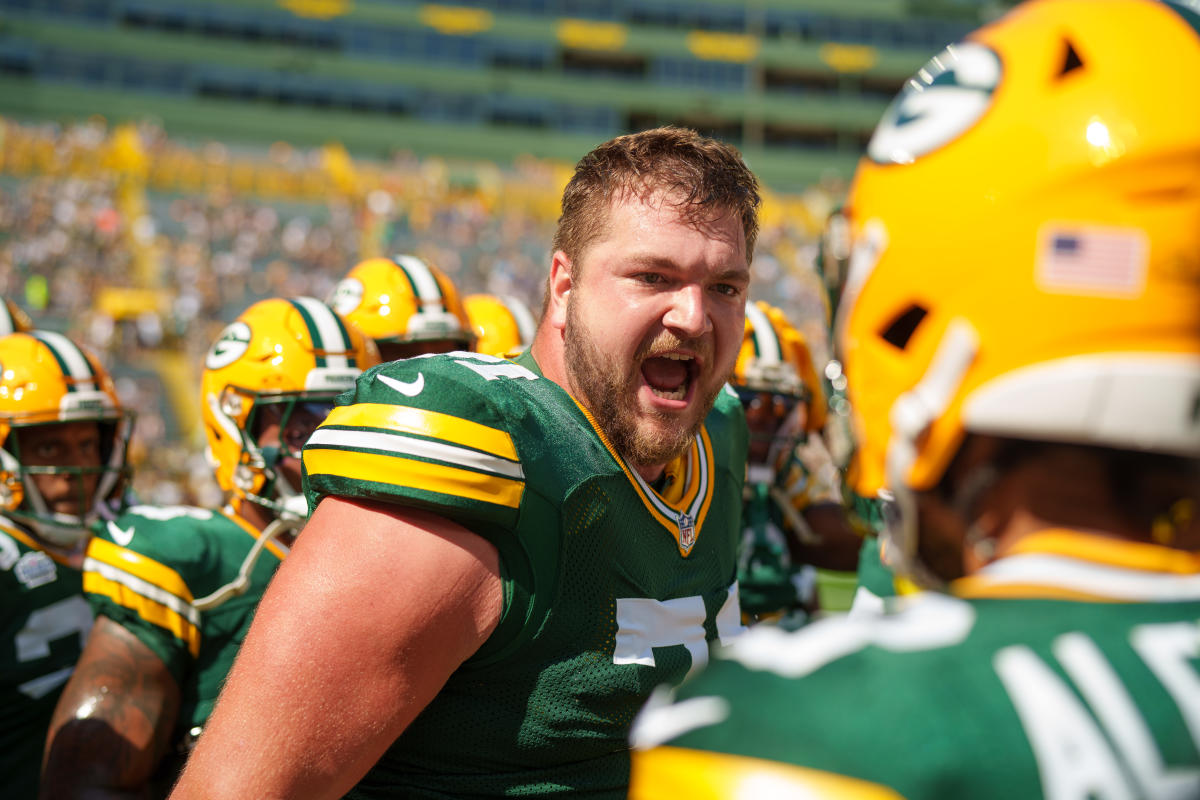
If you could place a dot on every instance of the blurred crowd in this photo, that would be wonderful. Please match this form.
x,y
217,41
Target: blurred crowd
x,y
142,247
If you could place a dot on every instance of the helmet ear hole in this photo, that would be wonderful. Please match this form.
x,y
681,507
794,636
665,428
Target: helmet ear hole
x,y
1071,61
904,325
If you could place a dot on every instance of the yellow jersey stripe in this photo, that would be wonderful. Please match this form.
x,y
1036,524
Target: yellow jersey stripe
x,y
702,775
27,540
416,474
149,610
1114,552
979,587
434,424
136,564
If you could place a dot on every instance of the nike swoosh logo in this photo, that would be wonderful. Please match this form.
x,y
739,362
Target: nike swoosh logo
x,y
406,388
122,536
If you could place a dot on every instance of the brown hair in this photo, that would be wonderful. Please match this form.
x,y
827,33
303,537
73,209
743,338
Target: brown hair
x,y
708,177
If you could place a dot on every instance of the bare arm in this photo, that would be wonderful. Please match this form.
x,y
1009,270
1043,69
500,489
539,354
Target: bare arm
x,y
113,721
369,615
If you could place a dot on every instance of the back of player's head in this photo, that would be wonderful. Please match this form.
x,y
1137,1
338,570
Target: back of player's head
x,y
278,359
1026,243
502,323
407,306
701,175
59,417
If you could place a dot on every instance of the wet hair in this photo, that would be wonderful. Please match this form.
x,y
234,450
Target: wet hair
x,y
700,176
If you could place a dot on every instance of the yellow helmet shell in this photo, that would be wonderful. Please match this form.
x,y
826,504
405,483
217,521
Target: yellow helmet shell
x,y
402,299
1026,229
297,347
503,324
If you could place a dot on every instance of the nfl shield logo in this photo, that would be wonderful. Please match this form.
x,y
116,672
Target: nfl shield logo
x,y
687,532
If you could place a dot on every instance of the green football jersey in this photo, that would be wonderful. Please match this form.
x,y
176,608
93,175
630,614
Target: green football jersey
x,y
1066,670
611,586
46,622
148,571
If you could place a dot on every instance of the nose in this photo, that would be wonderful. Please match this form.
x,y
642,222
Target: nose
x,y
688,314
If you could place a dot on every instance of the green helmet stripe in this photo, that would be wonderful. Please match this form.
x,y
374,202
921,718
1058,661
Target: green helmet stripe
x,y
329,337
70,358
766,343
424,283
1189,10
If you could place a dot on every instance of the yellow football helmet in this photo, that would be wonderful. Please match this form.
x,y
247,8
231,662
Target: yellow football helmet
x,y
774,376
403,304
502,323
292,355
1026,245
47,379
13,319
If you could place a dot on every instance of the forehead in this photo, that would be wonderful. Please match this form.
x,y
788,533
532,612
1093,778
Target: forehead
x,y
57,432
659,225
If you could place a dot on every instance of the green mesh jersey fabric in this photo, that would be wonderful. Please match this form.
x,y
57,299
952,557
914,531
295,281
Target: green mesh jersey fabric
x,y
46,622
611,588
1060,673
147,569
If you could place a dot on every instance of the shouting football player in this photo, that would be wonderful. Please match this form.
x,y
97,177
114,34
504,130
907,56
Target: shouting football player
x,y
174,588
1021,334
506,557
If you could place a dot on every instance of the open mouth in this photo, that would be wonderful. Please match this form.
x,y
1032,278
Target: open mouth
x,y
670,375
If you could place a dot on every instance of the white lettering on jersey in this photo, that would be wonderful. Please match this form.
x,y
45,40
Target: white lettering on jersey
x,y
644,624
1074,761
164,513
505,369
69,616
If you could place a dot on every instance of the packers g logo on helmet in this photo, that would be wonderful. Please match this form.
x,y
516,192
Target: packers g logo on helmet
x,y
938,104
231,345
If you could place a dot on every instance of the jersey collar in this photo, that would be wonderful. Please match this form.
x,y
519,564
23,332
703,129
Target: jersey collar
x,y
1063,564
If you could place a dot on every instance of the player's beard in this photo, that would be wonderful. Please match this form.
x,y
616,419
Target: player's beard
x,y
609,388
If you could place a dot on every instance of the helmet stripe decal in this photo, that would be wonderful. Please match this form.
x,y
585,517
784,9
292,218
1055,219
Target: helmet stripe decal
x,y
425,285
7,323
1189,10
70,358
526,325
328,334
766,343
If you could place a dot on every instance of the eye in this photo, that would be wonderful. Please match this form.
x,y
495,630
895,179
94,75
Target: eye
x,y
651,278
728,289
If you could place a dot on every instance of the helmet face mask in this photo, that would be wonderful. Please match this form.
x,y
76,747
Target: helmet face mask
x,y
64,438
270,379
1029,270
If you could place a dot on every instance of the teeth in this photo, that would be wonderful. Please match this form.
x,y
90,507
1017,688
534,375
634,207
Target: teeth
x,y
678,394
676,356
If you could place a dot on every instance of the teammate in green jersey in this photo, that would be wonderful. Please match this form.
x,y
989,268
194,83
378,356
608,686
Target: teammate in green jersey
x,y
174,588
518,551
63,436
1021,333
793,520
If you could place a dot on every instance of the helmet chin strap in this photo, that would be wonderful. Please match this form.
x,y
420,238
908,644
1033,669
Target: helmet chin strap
x,y
913,413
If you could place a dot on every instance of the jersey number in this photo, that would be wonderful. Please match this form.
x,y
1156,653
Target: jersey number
x,y
644,624
68,617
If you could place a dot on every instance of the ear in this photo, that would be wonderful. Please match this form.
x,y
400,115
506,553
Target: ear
x,y
562,279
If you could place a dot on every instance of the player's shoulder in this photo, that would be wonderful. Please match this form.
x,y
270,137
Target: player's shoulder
x,y
173,535
726,423
27,564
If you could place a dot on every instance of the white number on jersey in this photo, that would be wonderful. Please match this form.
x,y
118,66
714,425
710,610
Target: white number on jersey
x,y
70,616
643,624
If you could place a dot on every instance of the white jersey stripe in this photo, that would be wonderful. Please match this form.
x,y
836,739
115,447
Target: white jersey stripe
x,y
401,445
144,588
